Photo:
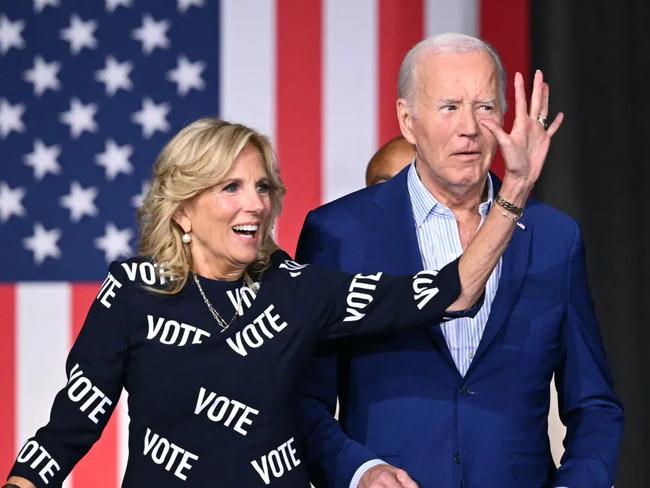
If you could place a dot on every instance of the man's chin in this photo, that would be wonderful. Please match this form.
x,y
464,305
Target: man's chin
x,y
469,176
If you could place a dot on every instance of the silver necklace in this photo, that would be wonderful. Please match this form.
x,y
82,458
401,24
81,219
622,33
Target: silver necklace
x,y
222,323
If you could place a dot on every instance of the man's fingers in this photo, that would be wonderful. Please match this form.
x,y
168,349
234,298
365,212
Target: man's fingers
x,y
498,132
405,479
521,110
386,479
543,111
537,95
386,476
557,122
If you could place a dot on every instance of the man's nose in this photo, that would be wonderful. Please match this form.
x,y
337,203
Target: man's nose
x,y
468,124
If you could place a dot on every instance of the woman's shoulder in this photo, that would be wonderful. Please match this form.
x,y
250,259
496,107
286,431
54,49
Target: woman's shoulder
x,y
139,270
305,276
283,265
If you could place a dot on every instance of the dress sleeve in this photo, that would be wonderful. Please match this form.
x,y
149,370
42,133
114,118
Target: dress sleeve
x,y
95,376
366,303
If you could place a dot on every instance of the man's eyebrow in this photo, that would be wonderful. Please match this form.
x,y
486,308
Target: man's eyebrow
x,y
452,101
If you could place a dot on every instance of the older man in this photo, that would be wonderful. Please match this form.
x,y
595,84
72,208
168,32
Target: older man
x,y
464,403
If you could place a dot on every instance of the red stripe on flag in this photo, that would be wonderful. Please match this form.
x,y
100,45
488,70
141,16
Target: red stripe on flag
x,y
401,26
99,467
298,132
505,24
7,377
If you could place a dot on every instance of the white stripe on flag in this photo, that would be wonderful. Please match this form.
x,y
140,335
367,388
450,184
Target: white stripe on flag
x,y
349,94
451,16
42,344
248,63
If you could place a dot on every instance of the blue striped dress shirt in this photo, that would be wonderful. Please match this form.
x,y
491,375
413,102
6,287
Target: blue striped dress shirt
x,y
439,243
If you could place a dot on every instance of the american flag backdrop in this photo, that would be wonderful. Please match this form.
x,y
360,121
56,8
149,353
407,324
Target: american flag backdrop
x,y
90,90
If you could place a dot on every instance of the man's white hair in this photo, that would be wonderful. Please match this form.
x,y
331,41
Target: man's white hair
x,y
449,42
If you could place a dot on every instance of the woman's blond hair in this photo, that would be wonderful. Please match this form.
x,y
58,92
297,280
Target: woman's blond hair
x,y
196,159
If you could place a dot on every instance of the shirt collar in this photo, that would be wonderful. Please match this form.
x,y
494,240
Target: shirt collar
x,y
424,203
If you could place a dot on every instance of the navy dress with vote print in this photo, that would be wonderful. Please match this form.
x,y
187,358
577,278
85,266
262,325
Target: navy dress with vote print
x,y
210,408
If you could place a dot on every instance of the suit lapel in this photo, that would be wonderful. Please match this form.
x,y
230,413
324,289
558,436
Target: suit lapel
x,y
395,243
513,270
392,240
393,248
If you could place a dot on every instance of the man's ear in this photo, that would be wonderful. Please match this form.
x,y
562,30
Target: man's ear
x,y
182,219
405,119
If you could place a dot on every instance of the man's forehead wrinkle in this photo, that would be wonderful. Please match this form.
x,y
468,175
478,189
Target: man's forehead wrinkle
x,y
454,93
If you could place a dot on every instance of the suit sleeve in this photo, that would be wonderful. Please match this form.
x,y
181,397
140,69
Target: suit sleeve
x,y
588,405
95,376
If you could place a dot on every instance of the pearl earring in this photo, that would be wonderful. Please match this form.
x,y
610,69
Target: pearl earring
x,y
187,238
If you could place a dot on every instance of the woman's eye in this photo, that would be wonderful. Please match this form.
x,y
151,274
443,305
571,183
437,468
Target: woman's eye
x,y
263,188
230,187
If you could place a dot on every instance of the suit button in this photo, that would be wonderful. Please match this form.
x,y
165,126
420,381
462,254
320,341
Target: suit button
x,y
465,390
457,458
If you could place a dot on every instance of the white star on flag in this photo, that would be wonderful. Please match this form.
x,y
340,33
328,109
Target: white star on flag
x,y
11,201
11,117
79,117
80,201
152,34
43,243
136,200
10,34
151,117
183,5
187,75
114,242
115,75
39,5
115,159
80,34
43,159
43,75
111,5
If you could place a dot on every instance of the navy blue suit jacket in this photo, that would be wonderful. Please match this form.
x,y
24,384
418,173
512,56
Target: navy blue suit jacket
x,y
402,398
